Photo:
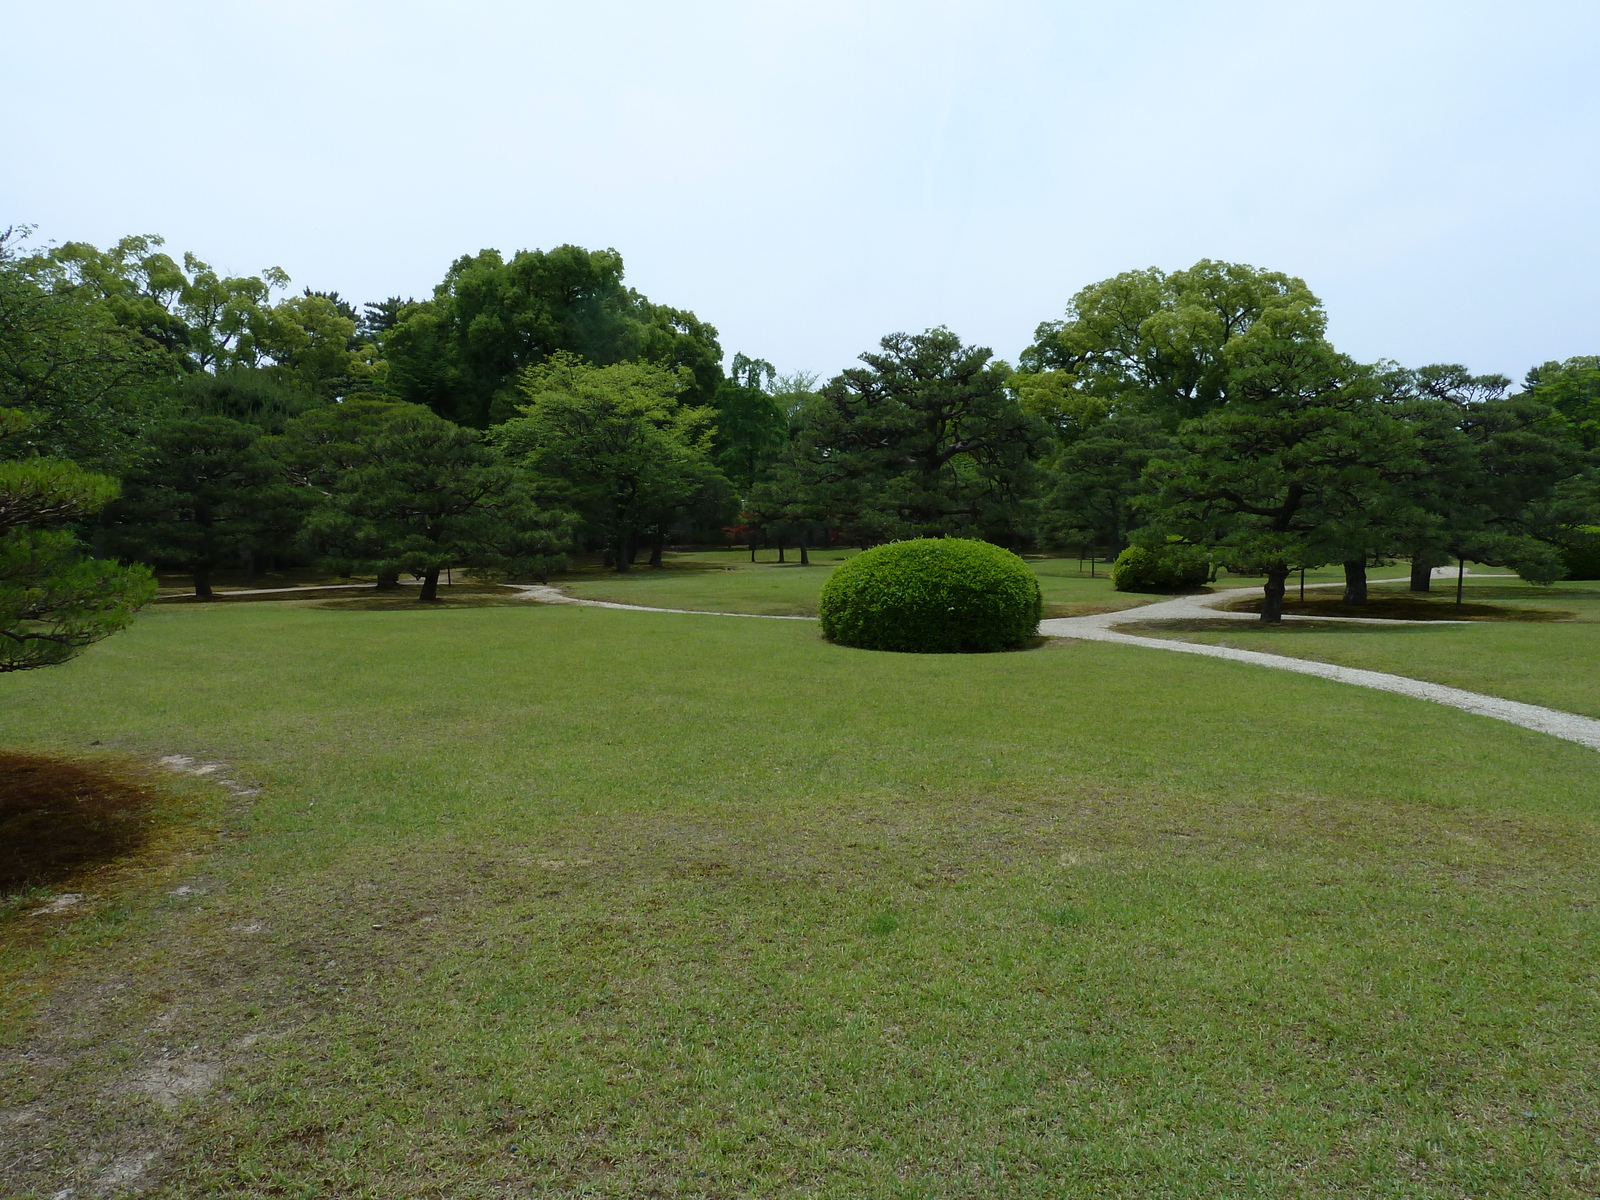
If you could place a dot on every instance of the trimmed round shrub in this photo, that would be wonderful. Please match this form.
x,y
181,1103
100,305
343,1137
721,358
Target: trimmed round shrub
x,y
932,596
1140,569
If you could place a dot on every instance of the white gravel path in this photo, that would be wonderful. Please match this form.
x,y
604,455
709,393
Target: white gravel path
x,y
1098,628
549,595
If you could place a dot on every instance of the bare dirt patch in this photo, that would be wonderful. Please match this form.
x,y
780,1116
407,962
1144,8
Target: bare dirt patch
x,y
1402,607
58,818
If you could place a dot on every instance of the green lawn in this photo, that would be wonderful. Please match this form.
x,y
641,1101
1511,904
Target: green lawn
x,y
1550,663
559,901
727,581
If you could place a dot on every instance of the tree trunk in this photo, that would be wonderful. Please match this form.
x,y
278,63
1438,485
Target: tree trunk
x,y
1272,605
805,559
202,582
624,555
430,585
780,551
1421,575
1355,581
656,547
389,579
752,547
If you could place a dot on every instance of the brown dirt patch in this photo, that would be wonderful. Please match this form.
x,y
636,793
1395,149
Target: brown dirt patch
x,y
59,817
1402,608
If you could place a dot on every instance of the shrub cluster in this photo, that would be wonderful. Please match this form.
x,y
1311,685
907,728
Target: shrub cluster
x,y
1141,569
1581,555
932,596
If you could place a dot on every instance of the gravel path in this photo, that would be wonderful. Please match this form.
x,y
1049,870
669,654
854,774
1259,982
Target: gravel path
x,y
1098,628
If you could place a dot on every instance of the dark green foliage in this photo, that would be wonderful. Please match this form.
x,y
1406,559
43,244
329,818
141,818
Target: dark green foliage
x,y
204,492
924,439
1145,569
932,596
54,599
407,490
1580,553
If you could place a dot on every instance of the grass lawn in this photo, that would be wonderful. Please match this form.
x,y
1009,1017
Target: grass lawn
x,y
727,581
1540,662
569,902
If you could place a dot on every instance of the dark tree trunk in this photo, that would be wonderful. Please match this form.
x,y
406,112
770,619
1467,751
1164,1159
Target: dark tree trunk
x,y
780,551
1272,605
656,547
389,579
1421,575
1355,581
430,585
624,555
752,547
805,559
202,582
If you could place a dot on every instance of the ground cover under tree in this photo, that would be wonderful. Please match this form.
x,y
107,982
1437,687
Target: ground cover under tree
x,y
618,902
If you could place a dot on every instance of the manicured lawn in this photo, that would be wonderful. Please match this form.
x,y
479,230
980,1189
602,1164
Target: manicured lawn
x,y
727,581
556,901
1550,663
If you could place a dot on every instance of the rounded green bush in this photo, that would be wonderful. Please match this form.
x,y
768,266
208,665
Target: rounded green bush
x,y
932,596
1140,569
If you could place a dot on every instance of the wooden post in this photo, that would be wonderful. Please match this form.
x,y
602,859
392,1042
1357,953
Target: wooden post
x,y
1302,585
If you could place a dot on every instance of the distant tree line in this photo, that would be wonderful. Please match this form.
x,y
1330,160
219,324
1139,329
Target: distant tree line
x,y
155,413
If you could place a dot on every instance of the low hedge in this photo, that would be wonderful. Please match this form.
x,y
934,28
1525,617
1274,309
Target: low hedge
x,y
932,596
1141,569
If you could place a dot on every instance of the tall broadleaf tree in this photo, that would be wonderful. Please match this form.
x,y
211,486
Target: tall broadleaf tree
x,y
462,353
621,447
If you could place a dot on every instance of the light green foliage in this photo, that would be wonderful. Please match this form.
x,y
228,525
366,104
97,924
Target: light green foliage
x,y
87,384
620,446
711,906
463,352
1157,342
1572,389
206,321
932,596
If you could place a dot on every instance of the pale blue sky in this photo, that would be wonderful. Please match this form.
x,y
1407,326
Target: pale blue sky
x,y
809,176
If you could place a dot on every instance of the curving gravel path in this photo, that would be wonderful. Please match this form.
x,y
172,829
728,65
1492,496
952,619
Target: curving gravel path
x,y
1098,628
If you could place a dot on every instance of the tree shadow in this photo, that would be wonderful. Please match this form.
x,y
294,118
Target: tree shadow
x,y
58,818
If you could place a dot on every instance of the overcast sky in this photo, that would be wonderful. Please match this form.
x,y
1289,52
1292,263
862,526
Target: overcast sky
x,y
809,176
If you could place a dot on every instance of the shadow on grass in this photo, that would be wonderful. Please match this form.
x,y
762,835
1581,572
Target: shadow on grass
x,y
1403,608
58,818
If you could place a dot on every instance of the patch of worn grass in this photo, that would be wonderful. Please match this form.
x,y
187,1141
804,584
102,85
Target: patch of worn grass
x,y
1404,606
562,901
